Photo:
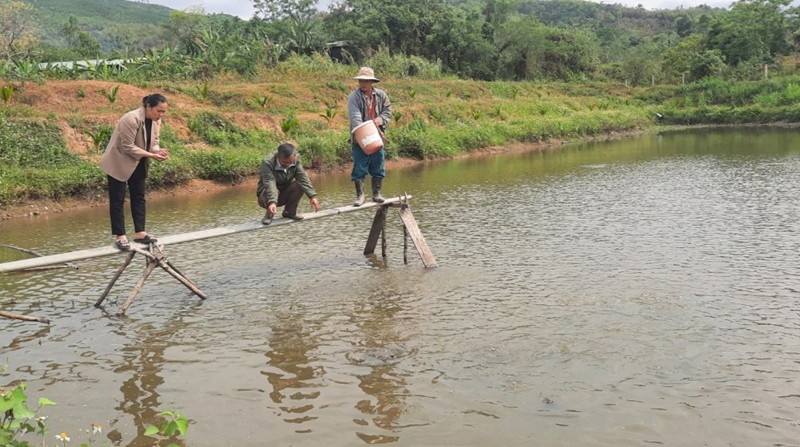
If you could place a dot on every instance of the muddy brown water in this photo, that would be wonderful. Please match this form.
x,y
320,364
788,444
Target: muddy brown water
x,y
633,292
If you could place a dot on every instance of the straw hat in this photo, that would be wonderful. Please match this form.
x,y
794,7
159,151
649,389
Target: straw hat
x,y
366,74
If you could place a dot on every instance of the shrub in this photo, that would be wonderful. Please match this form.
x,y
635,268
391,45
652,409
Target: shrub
x,y
216,130
31,144
225,164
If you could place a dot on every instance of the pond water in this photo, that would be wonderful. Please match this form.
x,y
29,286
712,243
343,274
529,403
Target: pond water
x,y
631,292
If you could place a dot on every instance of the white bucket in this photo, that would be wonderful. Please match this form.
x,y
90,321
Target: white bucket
x,y
367,136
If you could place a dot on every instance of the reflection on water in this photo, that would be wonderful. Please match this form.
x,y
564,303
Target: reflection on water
x,y
381,349
295,381
631,292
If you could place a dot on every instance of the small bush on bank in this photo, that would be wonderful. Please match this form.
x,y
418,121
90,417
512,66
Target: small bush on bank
x,y
216,130
230,164
32,144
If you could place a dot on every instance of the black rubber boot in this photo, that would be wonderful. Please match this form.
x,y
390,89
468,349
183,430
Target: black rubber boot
x,y
377,182
359,193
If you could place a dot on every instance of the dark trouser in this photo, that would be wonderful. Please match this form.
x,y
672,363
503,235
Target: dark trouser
x,y
363,164
116,200
288,195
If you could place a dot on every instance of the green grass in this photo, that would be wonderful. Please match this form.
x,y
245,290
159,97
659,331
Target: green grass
x,y
435,117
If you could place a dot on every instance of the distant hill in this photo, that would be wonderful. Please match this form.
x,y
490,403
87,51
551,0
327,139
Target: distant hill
x,y
596,16
116,24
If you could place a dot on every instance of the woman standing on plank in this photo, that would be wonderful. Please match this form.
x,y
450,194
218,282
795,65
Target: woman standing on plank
x,y
126,161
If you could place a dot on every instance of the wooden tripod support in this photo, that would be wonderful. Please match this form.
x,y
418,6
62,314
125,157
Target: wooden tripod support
x,y
410,228
154,257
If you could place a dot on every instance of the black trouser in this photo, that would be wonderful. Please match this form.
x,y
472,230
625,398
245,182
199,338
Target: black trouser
x,y
116,200
288,195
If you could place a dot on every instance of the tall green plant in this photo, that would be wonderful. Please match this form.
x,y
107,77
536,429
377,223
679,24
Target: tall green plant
x,y
102,70
330,113
261,101
7,92
111,95
27,70
202,91
289,124
100,136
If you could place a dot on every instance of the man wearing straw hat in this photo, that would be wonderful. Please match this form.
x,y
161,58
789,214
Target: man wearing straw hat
x,y
368,103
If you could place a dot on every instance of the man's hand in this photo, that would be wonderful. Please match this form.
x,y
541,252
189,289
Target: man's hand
x,y
377,122
272,208
314,203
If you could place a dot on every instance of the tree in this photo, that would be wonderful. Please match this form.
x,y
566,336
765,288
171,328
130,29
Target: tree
x,y
752,31
275,10
457,37
496,12
17,39
294,23
84,44
693,57
183,29
530,50
684,25
640,66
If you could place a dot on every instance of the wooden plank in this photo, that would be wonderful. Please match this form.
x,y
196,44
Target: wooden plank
x,y
109,250
416,237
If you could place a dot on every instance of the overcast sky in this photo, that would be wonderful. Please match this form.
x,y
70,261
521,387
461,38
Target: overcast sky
x,y
244,8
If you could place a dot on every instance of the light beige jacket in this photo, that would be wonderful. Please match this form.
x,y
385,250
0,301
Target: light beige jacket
x,y
127,145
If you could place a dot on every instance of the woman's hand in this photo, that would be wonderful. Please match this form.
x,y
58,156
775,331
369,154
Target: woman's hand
x,y
160,155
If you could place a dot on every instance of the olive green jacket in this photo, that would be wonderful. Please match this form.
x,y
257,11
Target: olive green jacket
x,y
270,178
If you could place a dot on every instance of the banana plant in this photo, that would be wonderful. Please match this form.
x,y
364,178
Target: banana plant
x,y
111,95
330,113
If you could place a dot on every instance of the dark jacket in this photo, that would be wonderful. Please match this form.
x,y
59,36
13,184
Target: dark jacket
x,y
357,107
270,178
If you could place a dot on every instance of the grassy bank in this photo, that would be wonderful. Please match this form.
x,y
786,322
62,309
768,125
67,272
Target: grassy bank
x,y
52,133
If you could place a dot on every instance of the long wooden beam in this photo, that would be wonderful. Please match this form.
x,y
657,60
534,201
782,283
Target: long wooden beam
x,y
24,264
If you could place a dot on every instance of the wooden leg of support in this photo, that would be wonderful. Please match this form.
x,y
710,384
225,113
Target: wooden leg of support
x,y
416,236
378,224
151,265
183,280
169,268
122,268
383,240
405,245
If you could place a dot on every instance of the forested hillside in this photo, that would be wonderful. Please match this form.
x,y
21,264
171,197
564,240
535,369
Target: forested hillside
x,y
545,40
115,24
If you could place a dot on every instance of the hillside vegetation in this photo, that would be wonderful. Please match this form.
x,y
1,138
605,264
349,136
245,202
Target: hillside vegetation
x,y
117,25
54,132
563,40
